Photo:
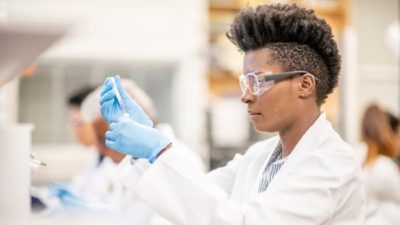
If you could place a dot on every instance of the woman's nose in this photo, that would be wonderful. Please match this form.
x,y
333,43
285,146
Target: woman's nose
x,y
247,97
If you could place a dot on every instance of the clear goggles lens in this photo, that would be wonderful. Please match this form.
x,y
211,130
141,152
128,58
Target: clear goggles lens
x,y
250,83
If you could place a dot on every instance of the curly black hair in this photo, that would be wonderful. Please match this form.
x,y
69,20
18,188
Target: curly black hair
x,y
297,38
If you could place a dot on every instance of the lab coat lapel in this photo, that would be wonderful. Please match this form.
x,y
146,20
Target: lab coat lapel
x,y
313,137
259,165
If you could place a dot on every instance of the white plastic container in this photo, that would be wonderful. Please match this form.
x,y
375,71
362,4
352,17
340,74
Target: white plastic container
x,y
15,149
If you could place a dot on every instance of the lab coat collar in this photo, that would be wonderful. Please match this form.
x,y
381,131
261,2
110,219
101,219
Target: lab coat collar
x,y
319,131
314,136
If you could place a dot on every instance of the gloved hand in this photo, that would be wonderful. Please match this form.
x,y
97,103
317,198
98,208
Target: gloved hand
x,y
112,111
60,189
135,139
66,196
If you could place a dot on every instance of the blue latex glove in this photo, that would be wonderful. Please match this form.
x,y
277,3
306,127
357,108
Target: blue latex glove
x,y
65,194
135,139
112,111
60,190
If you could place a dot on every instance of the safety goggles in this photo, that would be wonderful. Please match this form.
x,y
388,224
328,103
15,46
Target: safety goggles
x,y
257,84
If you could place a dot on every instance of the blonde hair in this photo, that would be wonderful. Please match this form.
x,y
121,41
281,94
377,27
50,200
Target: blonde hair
x,y
376,133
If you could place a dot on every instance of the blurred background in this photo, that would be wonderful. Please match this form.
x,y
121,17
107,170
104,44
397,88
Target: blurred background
x,y
177,52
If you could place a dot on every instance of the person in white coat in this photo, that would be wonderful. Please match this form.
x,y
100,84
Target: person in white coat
x,y
306,175
395,127
121,206
382,175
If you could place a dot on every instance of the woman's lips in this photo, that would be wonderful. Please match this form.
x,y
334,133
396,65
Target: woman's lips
x,y
251,113
254,114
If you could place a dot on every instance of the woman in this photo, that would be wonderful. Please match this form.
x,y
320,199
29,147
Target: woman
x,y
305,175
381,173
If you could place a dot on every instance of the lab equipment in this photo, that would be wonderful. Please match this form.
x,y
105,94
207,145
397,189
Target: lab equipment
x,y
20,44
34,163
111,108
15,145
135,139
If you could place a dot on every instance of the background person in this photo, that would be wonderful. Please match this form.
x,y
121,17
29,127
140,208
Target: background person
x,y
382,178
124,206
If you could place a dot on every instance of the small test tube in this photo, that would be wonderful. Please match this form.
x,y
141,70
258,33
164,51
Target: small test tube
x,y
119,98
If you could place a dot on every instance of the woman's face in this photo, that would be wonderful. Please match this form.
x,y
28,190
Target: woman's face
x,y
82,131
274,110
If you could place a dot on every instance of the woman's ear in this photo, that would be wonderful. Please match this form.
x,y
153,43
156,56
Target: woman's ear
x,y
307,85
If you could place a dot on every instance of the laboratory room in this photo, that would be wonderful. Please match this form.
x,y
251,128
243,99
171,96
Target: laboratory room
x,y
200,112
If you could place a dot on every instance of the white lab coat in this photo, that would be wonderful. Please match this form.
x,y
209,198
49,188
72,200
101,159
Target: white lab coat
x,y
93,185
125,206
382,185
320,183
129,207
